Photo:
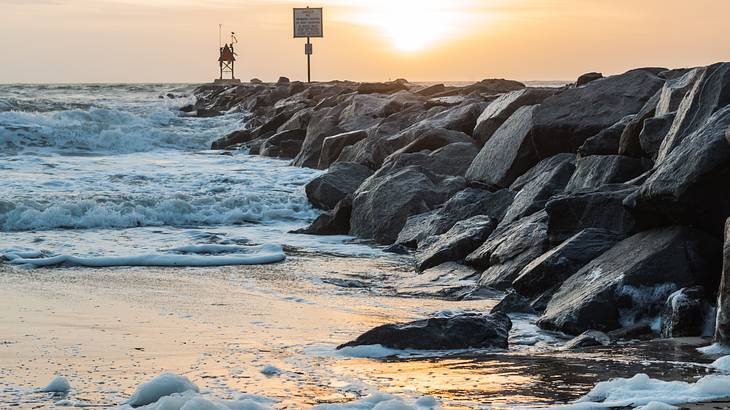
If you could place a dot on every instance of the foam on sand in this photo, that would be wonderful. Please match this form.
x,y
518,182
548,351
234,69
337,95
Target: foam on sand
x,y
257,255
641,390
59,384
161,386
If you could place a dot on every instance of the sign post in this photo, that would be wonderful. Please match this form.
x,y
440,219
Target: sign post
x,y
308,24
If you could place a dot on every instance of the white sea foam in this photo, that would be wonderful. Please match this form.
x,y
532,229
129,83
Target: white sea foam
x,y
256,255
59,384
641,390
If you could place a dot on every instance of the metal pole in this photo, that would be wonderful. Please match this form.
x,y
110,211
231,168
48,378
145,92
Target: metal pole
x,y
309,64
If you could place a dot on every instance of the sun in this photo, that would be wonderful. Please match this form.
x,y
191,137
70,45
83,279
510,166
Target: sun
x,y
412,25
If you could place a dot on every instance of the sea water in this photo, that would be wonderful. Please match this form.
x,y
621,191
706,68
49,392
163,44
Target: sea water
x,y
97,171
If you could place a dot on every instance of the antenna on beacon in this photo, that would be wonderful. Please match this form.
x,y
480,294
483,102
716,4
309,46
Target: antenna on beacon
x,y
226,59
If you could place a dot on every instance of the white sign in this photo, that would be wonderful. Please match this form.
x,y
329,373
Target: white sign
x,y
308,22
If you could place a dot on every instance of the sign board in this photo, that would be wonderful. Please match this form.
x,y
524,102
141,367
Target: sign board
x,y
308,22
308,49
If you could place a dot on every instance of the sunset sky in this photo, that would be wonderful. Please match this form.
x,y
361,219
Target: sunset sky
x,y
421,40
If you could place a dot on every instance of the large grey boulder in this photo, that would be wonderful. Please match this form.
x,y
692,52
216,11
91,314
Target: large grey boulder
x,y
543,276
334,222
284,144
382,205
570,213
691,184
653,133
684,313
454,245
509,249
545,165
630,282
332,146
535,194
563,122
499,110
323,123
674,91
456,332
453,159
607,141
722,324
463,205
508,154
596,170
710,93
629,143
340,180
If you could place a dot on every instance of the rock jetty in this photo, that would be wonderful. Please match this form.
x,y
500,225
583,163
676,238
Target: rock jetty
x,y
600,204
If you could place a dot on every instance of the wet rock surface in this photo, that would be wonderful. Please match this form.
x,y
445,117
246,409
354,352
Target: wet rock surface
x,y
456,332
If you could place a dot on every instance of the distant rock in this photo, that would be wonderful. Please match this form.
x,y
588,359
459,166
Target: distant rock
x,y
587,78
381,88
340,180
684,313
431,90
454,245
456,332
255,81
492,86
631,282
283,81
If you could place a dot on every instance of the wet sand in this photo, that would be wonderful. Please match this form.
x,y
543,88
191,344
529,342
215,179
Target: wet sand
x,y
107,330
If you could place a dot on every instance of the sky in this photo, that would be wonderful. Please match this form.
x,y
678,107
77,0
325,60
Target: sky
x,y
72,41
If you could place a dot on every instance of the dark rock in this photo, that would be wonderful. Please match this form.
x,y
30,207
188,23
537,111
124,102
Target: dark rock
x,y
684,313
457,332
207,113
563,122
188,108
382,205
546,165
722,327
454,245
323,123
691,184
630,282
509,249
434,139
340,180
629,143
596,170
255,81
710,93
675,90
653,133
452,160
298,121
431,90
535,194
397,249
499,110
508,154
450,281
284,144
587,78
332,146
282,81
543,276
513,302
464,205
588,338
569,214
236,137
334,222
381,88
639,331
492,86
607,141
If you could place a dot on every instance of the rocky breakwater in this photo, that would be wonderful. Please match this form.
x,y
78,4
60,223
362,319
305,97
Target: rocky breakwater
x,y
602,203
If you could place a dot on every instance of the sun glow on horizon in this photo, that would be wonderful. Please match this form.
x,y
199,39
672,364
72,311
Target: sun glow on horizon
x,y
412,25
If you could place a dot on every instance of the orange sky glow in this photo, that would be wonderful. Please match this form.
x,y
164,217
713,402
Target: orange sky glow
x,y
47,41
